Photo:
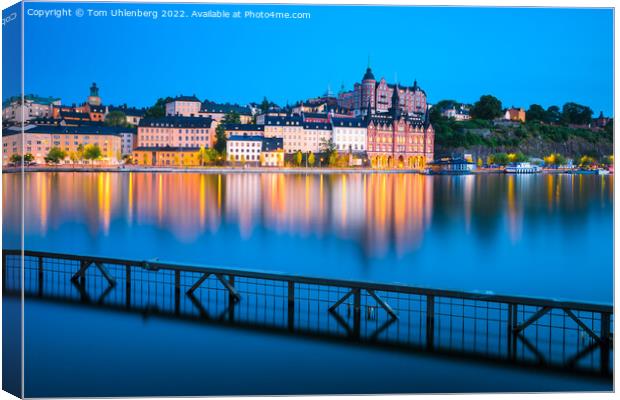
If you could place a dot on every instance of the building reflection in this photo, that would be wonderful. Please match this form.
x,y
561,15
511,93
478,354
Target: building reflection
x,y
383,213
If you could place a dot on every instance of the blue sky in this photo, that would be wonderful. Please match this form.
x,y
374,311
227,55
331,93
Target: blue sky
x,y
521,55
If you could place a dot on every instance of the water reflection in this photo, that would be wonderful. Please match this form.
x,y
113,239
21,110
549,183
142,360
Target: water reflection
x,y
410,219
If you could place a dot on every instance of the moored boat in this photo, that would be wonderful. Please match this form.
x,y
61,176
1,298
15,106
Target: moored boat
x,y
522,168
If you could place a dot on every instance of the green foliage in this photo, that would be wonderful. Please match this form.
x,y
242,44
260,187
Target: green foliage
x,y
499,159
586,161
158,110
328,147
16,158
55,155
264,105
92,152
554,115
573,113
28,158
220,134
116,118
536,113
311,159
488,107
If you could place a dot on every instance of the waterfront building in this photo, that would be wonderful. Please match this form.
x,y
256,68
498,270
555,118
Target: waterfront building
x,y
397,140
515,114
289,128
244,149
187,106
272,152
243,130
129,140
166,156
349,134
176,131
377,94
33,107
312,139
39,139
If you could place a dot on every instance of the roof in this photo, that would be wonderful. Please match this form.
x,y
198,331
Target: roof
x,y
185,98
74,114
283,120
368,75
177,121
167,148
71,130
131,111
212,107
272,144
243,127
245,138
317,125
351,122
31,97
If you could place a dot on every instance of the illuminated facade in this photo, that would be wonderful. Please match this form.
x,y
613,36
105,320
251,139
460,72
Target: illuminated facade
x,y
167,156
176,131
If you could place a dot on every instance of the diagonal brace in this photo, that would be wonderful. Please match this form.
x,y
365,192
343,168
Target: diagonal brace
x,y
382,303
582,325
532,319
228,286
198,283
342,300
84,265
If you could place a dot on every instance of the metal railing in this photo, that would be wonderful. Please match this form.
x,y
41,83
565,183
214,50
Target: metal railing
x,y
525,331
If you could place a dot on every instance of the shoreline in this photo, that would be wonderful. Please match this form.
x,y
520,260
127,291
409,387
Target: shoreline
x,y
251,170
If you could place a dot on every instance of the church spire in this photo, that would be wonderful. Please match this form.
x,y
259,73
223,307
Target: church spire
x,y
395,102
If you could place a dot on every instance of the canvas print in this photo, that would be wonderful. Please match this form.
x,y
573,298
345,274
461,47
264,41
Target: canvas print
x,y
258,199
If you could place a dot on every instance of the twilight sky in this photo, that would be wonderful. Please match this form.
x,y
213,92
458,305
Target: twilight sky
x,y
522,56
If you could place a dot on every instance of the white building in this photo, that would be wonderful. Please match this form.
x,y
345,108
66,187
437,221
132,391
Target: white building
x,y
33,107
349,134
187,106
315,134
289,128
244,149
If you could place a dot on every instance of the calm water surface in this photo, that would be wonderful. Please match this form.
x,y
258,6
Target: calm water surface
x,y
543,235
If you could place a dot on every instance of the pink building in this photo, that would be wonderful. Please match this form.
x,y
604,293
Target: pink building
x,y
176,131
378,94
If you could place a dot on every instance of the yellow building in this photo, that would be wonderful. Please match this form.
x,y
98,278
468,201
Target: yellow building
x,y
515,114
38,140
167,156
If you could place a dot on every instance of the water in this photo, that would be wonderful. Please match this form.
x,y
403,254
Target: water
x,y
545,235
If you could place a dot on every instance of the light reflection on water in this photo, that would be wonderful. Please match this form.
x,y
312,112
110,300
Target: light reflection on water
x,y
545,235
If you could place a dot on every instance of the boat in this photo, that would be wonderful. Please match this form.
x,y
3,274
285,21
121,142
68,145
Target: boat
x,y
522,168
602,171
450,166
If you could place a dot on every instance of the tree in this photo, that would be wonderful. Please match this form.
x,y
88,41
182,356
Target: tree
x,y
517,157
488,107
311,159
16,158
264,105
479,163
220,132
555,159
536,113
158,110
80,152
573,113
553,114
116,118
55,155
586,161
499,159
298,158
28,158
92,152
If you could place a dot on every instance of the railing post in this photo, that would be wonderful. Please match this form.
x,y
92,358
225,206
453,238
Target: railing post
x,y
357,310
605,333
430,321
177,291
231,299
128,286
291,306
40,276
4,267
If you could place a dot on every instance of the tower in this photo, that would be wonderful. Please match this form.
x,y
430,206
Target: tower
x,y
93,98
368,89
395,109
